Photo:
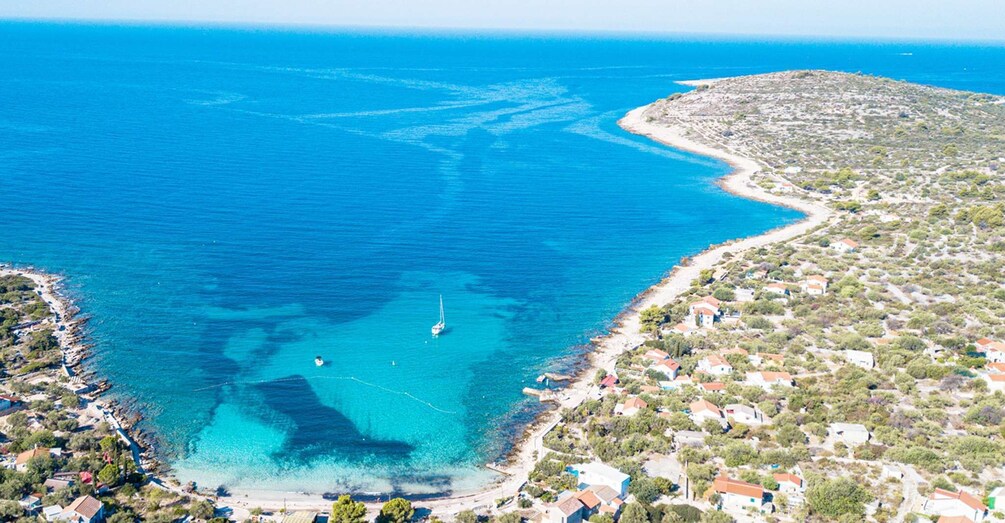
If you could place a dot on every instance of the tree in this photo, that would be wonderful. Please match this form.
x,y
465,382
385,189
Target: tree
x,y
466,516
345,510
634,513
10,510
202,510
837,497
716,516
509,517
601,518
397,510
645,490
109,475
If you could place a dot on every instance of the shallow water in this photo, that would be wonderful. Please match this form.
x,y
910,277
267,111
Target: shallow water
x,y
227,204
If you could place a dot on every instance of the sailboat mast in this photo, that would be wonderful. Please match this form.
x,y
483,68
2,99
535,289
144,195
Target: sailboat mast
x,y
442,317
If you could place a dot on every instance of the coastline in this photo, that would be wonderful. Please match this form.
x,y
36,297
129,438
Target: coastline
x,y
623,335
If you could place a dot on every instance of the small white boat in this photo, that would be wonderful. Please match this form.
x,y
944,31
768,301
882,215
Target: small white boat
x,y
318,361
442,324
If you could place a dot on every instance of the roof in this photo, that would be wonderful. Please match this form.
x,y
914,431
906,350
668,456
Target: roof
x,y
737,350
703,405
704,312
301,516
725,485
850,243
817,277
789,478
671,364
683,328
849,427
777,286
716,386
635,402
1000,367
715,360
27,455
86,506
770,375
597,468
955,519
609,381
588,499
984,341
656,354
11,399
967,499
605,493
569,506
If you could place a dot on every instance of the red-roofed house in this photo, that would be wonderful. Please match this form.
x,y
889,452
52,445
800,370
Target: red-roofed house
x,y
714,386
995,352
845,245
768,379
22,459
609,381
85,509
705,311
738,495
668,368
945,503
630,407
983,344
996,382
780,289
566,510
789,483
704,410
814,285
656,355
998,368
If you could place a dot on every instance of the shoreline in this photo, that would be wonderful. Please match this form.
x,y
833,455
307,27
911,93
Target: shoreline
x,y
623,334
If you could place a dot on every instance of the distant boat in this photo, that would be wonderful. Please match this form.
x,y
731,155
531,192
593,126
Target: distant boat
x,y
442,324
318,361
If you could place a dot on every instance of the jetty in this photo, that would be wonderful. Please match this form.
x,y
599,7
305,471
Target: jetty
x,y
542,394
553,377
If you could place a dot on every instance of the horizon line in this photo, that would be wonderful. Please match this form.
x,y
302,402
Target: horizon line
x,y
307,27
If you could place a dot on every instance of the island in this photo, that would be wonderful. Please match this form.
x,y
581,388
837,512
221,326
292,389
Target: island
x,y
847,367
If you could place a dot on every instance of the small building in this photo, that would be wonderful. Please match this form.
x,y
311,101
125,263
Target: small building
x,y
996,499
610,501
630,407
995,352
609,381
707,303
996,382
983,344
759,358
715,365
704,410
861,358
668,368
52,512
744,414
704,318
598,474
790,483
85,509
768,379
845,245
712,386
815,285
7,403
568,509
780,289
738,495
890,471
849,433
22,459
945,503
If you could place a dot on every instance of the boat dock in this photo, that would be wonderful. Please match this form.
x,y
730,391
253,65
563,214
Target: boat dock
x,y
553,377
542,394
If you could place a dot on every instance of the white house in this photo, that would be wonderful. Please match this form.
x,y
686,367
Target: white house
x,y
705,311
996,382
656,355
630,407
790,483
22,459
849,433
944,503
703,410
861,358
780,289
995,352
759,358
814,285
568,509
738,495
52,512
983,344
845,245
744,414
668,368
597,474
715,365
768,379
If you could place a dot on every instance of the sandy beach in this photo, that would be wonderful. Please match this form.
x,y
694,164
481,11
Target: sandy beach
x,y
623,336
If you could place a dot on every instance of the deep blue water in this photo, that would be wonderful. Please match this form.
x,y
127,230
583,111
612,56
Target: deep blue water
x,y
229,203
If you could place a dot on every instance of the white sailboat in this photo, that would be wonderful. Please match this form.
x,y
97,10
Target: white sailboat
x,y
442,324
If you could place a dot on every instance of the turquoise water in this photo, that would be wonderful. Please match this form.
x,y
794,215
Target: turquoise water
x,y
227,204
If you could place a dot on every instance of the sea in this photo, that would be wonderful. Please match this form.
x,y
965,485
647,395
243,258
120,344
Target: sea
x,y
228,203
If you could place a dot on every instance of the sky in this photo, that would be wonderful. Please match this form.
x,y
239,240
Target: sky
x,y
915,19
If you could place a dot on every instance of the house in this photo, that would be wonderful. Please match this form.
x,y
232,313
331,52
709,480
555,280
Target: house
x,y
814,285
668,368
30,504
705,311
609,381
677,383
630,407
768,379
713,386
22,459
983,344
849,433
738,495
52,512
656,355
688,438
744,414
568,509
845,245
996,499
758,359
790,483
861,358
945,503
610,501
597,474
85,509
996,382
683,329
715,365
777,288
995,352
704,318
703,410
54,484
997,368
